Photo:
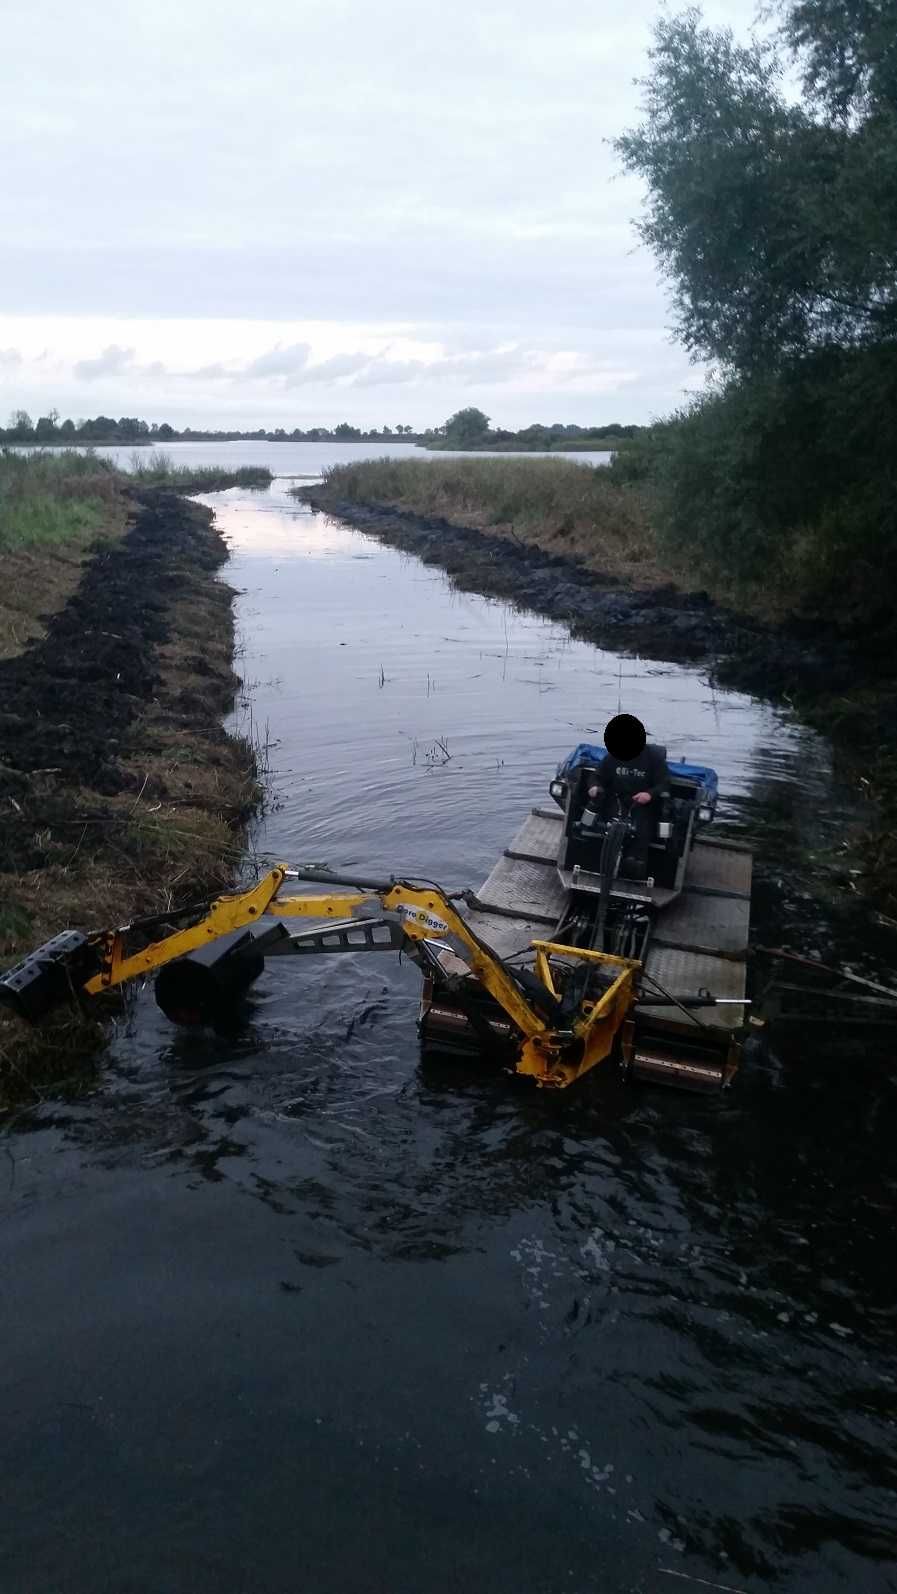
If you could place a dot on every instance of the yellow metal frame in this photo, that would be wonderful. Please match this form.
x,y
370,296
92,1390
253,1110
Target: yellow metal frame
x,y
551,1057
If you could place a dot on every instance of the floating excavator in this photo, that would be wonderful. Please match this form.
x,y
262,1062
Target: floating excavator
x,y
562,960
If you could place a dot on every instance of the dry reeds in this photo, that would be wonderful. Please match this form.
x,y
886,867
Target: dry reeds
x,y
555,504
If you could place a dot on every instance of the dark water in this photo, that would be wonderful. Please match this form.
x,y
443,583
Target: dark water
x,y
290,1313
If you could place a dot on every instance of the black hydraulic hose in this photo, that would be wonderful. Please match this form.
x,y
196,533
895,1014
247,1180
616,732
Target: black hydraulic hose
x,y
611,849
329,877
606,864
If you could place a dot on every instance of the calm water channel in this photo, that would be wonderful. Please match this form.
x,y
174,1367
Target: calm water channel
x,y
290,1313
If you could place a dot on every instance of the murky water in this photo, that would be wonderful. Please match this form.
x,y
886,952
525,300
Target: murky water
x,y
289,1312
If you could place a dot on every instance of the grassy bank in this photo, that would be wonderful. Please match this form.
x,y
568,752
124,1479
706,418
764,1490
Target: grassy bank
x,y
57,507
53,509
552,504
120,791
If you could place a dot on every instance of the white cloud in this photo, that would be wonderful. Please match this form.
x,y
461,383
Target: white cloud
x,y
10,359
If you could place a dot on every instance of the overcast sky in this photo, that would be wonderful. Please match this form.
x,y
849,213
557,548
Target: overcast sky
x,y
292,212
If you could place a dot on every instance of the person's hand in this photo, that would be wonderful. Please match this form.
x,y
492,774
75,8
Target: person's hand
x,y
642,797
595,791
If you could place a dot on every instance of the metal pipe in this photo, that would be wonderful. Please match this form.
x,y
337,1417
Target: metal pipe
x,y
329,877
695,1001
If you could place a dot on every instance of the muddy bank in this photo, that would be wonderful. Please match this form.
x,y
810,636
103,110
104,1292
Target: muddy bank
x,y
842,682
120,791
661,622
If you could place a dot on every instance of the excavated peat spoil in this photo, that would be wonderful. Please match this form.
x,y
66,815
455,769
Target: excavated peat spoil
x,y
111,731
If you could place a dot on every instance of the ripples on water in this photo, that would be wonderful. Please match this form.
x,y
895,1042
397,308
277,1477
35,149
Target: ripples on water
x,y
291,1311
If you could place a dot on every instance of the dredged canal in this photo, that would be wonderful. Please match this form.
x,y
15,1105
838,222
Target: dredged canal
x,y
287,1311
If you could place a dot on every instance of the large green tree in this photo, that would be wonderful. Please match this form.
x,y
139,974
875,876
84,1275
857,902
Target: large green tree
x,y
466,428
774,213
776,220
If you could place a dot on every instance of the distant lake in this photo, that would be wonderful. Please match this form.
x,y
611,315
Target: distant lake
x,y
309,460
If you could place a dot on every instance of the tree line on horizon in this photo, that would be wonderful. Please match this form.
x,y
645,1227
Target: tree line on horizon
x,y
49,429
466,429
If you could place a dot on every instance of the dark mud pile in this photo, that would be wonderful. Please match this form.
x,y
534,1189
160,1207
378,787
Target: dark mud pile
x,y
661,622
69,702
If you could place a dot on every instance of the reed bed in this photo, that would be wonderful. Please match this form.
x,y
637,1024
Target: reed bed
x,y
158,469
555,504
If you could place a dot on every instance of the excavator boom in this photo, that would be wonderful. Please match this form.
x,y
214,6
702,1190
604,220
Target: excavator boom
x,y
556,1036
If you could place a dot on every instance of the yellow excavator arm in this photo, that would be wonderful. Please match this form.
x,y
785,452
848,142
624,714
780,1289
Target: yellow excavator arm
x,y
557,1040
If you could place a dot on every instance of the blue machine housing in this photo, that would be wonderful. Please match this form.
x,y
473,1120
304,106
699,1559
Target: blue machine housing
x,y
705,778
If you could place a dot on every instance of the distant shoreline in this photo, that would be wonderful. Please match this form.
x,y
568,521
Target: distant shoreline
x,y
574,446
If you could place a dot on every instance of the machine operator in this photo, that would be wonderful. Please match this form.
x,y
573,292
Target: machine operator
x,y
632,771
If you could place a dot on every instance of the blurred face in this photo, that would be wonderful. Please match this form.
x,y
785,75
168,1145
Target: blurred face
x,y
624,737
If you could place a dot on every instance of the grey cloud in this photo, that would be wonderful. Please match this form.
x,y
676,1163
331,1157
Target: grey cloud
x,y
112,362
279,361
382,372
412,277
287,367
488,367
339,365
494,365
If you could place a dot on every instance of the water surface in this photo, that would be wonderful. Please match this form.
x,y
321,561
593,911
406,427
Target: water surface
x,y
290,1312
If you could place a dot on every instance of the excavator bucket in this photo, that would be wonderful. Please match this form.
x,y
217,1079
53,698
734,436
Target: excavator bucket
x,y
55,973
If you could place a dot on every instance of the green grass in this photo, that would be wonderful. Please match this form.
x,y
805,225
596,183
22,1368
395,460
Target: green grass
x,y
53,498
42,520
50,498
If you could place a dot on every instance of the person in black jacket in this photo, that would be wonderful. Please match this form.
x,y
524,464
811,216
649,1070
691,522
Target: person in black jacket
x,y
631,777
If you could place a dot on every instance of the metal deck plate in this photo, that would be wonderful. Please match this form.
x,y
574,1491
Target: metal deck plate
x,y
722,868
631,890
685,973
525,888
505,936
539,836
721,922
